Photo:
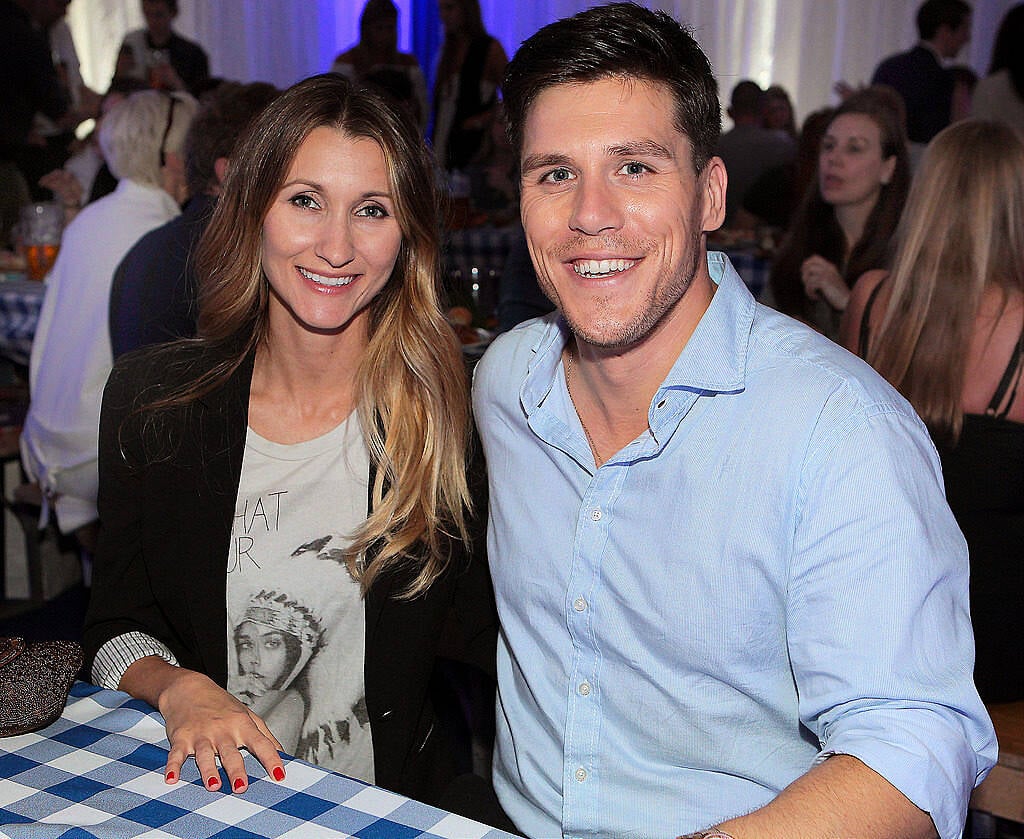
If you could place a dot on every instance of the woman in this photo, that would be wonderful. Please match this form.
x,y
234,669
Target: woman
x,y
469,72
778,111
1000,95
376,54
274,639
946,327
325,394
849,213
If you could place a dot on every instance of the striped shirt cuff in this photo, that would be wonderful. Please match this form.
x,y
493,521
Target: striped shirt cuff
x,y
121,652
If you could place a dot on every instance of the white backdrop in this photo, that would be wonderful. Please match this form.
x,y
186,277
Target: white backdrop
x,y
804,45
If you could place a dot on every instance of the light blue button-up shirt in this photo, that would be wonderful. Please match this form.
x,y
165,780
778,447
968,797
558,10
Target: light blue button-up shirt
x,y
770,574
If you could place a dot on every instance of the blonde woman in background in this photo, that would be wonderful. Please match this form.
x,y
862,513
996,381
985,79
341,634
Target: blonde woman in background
x,y
946,327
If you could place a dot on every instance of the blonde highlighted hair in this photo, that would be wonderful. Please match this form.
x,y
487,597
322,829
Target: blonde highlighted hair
x,y
412,391
961,233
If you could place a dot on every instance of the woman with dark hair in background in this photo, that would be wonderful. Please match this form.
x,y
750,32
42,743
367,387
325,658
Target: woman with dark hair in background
x,y
844,224
946,327
377,53
469,73
325,394
1000,95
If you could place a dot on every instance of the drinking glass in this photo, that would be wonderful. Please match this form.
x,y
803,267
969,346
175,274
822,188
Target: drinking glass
x,y
40,227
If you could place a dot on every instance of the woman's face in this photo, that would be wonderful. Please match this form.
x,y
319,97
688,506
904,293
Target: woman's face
x,y
851,168
262,652
330,238
778,115
450,12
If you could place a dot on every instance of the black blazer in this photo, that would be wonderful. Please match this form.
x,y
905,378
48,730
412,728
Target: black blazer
x,y
166,504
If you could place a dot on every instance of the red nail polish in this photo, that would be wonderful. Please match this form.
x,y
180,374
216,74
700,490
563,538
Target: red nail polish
x,y
213,783
171,777
278,773
239,783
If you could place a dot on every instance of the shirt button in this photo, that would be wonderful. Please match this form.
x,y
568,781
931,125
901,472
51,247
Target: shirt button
x,y
579,604
585,689
595,514
581,774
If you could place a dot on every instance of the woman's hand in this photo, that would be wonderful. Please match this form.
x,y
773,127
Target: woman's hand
x,y
822,281
203,720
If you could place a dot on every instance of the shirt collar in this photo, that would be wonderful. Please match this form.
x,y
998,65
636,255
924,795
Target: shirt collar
x,y
713,360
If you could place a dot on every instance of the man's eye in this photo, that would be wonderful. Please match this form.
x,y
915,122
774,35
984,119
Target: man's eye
x,y
634,168
558,175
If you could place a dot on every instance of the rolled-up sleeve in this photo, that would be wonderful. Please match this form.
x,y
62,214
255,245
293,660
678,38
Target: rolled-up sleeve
x,y
879,627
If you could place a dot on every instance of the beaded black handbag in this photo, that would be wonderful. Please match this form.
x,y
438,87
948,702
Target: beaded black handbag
x,y
35,678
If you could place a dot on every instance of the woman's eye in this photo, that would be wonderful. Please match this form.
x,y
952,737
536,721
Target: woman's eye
x,y
559,175
305,201
372,211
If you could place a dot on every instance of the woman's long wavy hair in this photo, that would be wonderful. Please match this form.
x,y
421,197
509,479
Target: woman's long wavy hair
x,y
815,229
412,394
949,251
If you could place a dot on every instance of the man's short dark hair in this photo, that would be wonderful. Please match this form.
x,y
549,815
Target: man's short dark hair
x,y
933,14
223,116
618,40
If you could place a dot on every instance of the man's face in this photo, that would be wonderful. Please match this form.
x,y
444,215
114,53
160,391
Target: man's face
x,y
613,212
158,18
956,38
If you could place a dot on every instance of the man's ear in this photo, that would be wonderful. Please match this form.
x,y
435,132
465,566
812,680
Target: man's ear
x,y
711,186
220,169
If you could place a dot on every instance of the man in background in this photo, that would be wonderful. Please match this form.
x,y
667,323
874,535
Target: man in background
x,y
919,75
749,149
154,297
160,56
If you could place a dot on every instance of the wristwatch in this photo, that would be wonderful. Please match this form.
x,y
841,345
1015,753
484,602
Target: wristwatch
x,y
706,834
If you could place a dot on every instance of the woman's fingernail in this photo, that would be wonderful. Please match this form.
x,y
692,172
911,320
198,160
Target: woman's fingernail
x,y
171,777
278,773
213,783
239,784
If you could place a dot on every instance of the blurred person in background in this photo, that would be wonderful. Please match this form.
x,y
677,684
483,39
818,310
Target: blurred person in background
x,y
946,327
848,216
154,296
160,56
749,149
778,111
377,50
142,139
1000,95
468,76
920,76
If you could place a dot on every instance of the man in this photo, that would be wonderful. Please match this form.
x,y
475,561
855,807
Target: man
x,y
29,83
141,138
731,591
919,76
154,297
159,55
749,149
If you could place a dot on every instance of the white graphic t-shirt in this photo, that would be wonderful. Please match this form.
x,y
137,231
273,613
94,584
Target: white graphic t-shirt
x,y
296,626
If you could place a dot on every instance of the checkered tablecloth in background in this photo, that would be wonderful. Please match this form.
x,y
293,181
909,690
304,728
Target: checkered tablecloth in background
x,y
20,302
97,773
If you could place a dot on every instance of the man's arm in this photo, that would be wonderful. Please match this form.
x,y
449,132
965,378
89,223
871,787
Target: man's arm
x,y
838,797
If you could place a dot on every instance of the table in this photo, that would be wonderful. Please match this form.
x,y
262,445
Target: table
x,y
1001,794
753,268
20,302
474,258
98,772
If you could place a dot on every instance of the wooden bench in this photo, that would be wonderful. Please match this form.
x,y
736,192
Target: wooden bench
x,y
1001,794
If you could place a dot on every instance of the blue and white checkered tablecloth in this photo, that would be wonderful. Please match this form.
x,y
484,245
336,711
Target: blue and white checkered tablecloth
x,y
97,773
20,302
